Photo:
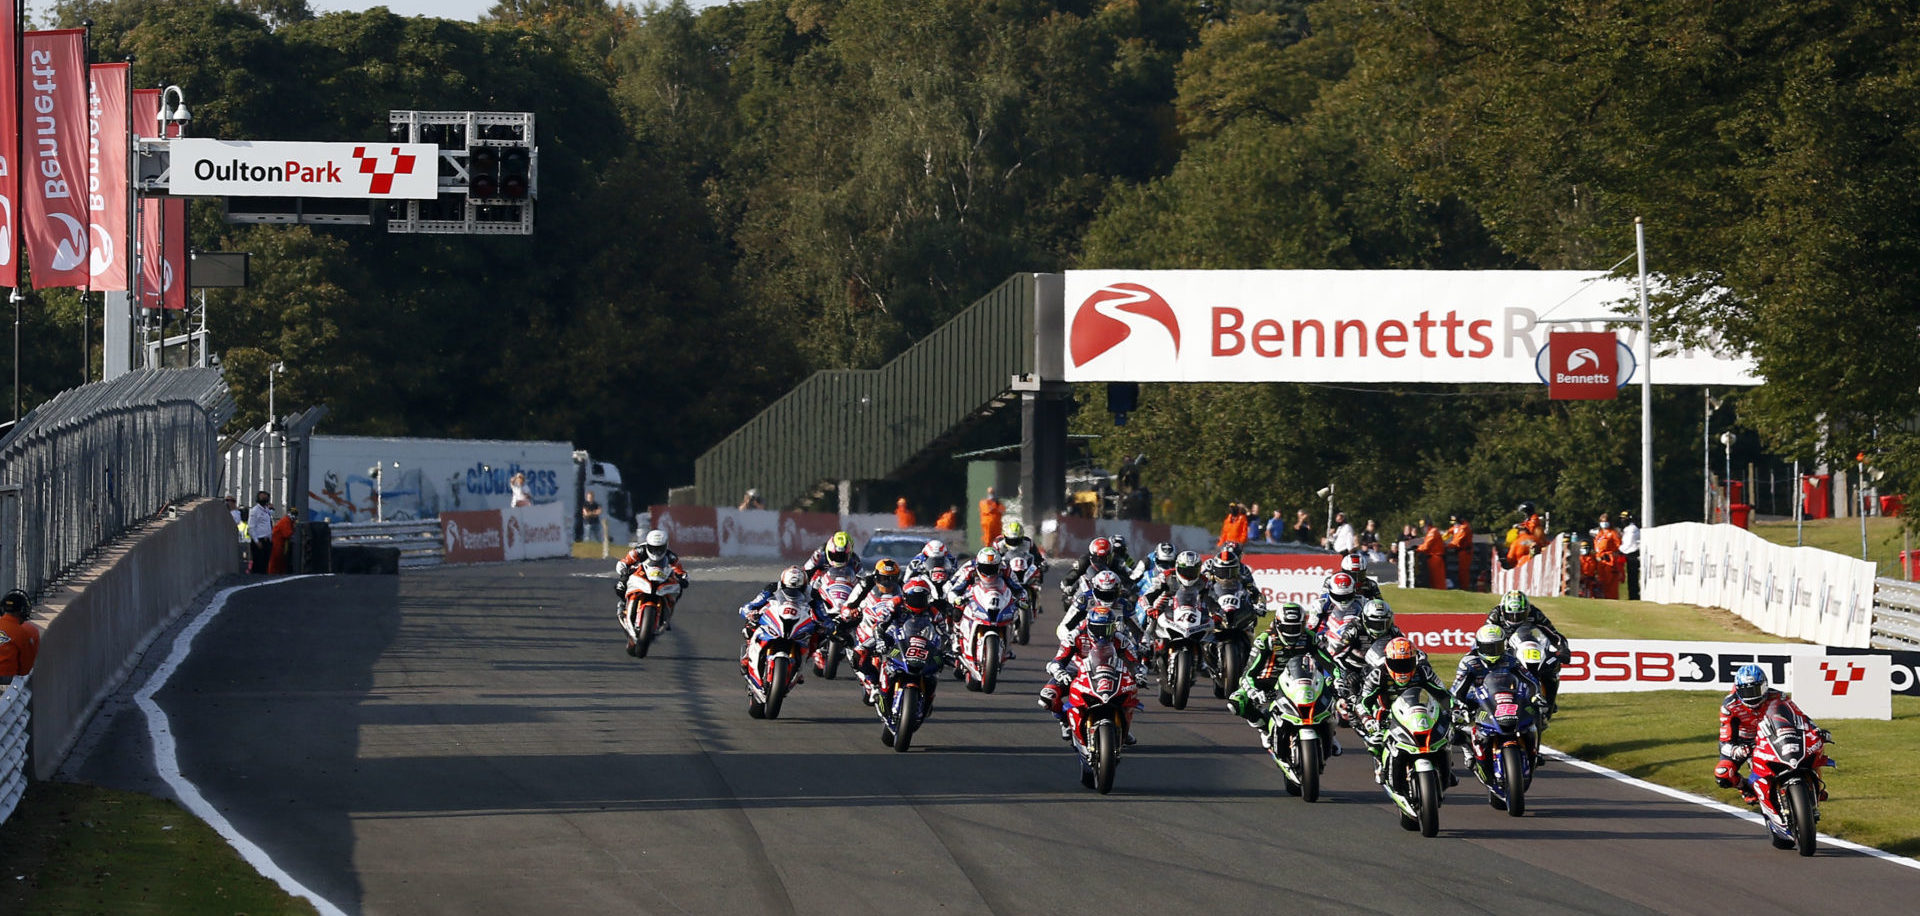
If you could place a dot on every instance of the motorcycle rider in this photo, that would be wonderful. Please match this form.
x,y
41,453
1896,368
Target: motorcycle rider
x,y
1402,668
1099,557
916,600
792,585
1514,611
934,554
1014,541
1156,564
1488,656
836,554
1746,706
885,579
1286,639
1225,569
1100,629
1343,591
984,565
644,550
1182,572
1123,562
1348,648
1355,566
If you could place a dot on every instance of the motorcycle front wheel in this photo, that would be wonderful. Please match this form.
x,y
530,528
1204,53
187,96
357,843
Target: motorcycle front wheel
x,y
1306,765
643,631
1181,673
1106,755
1800,807
776,685
990,654
833,654
1513,779
1427,784
908,700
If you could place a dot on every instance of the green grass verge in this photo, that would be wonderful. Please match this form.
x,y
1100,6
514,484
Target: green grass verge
x,y
590,550
1594,618
73,848
1842,536
1671,737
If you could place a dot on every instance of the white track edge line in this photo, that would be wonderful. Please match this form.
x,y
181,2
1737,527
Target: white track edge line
x,y
166,761
1721,807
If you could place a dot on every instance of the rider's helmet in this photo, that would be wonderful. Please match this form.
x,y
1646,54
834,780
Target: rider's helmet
x,y
935,549
792,579
1106,586
1119,542
1226,565
656,538
1015,534
1163,555
917,595
1376,618
1514,608
1402,660
1101,550
839,549
1490,642
1289,623
1341,588
1187,567
886,573
987,562
1100,623
1526,508
1750,684
1351,563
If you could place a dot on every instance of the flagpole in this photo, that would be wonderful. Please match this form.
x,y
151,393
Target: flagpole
x,y
19,149
86,292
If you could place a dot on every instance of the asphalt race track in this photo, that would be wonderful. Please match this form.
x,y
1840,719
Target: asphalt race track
x,y
476,740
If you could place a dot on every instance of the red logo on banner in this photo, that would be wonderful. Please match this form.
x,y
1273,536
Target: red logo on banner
x,y
1836,682
54,118
1583,366
692,531
382,182
1097,329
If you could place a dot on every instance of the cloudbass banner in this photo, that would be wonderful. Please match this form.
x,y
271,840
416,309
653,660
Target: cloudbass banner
x,y
1345,326
54,118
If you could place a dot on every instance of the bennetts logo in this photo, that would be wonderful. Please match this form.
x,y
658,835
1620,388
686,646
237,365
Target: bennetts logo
x,y
1098,325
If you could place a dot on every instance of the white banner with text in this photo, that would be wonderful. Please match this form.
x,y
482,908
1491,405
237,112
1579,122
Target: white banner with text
x,y
200,167
1797,592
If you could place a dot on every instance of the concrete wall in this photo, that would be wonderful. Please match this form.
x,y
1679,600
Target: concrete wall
x,y
97,622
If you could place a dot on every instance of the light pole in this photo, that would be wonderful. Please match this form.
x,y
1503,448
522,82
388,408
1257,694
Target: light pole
x,y
1706,459
1726,439
1860,503
1646,381
173,110
273,369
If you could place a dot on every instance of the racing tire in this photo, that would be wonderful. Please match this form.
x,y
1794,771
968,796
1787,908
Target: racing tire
x,y
1106,755
909,703
990,655
1409,823
643,629
832,655
1233,660
756,709
1428,788
1306,764
1800,807
1181,673
1023,626
777,685
1779,842
1515,779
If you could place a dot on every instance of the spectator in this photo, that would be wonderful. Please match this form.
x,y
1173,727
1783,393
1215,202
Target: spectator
x,y
1343,539
903,516
1630,549
1276,528
591,526
1302,529
1370,543
949,520
518,485
1434,547
1409,536
1233,528
991,512
260,530
752,500
281,562
19,638
240,526
1255,530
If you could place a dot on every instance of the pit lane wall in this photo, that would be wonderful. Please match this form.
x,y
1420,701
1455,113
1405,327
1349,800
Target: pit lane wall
x,y
98,621
704,531
1795,592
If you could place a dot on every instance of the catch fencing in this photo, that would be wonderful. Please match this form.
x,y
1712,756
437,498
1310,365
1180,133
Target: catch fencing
x,y
14,721
100,459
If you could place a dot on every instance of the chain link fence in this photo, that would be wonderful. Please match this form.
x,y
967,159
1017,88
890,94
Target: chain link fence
x,y
100,459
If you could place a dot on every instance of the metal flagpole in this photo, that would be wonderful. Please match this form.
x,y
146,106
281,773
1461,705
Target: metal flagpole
x,y
19,148
1646,383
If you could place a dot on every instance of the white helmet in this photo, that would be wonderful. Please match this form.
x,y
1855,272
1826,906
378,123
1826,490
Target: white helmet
x,y
1351,563
656,538
1341,588
936,548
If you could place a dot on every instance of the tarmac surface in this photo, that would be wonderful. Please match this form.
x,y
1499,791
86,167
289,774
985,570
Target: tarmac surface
x,y
476,740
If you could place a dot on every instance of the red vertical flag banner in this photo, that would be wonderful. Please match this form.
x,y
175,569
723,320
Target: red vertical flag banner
x,y
54,123
107,179
9,146
163,225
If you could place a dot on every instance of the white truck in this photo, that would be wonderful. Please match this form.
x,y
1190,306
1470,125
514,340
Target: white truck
x,y
420,478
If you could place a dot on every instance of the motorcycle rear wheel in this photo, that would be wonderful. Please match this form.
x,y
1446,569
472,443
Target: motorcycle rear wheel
x,y
643,631
1514,779
1181,673
909,703
776,685
1427,783
1800,805
833,654
1233,660
990,654
1106,755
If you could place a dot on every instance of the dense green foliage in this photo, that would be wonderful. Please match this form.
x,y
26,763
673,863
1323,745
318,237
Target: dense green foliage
x,y
736,196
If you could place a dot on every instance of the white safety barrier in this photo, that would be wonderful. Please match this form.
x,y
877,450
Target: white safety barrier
x,y
1798,592
1896,615
1543,575
14,721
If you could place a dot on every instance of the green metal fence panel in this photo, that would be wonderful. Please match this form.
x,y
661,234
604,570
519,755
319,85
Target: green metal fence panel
x,y
866,424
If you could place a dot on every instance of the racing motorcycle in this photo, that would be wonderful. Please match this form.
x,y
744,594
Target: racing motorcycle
x,y
987,614
1300,725
1182,635
1226,653
909,672
1027,610
1337,614
1536,651
1097,705
1415,757
836,586
770,664
1788,752
651,592
1503,740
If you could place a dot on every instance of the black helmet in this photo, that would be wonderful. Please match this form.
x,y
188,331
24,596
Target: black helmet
x,y
15,603
1290,622
917,594
1119,543
1526,508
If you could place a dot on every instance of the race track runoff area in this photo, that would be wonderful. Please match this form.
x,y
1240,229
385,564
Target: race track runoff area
x,y
476,740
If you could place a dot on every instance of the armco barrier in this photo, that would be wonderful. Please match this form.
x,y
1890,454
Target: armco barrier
x,y
15,722
1896,615
98,619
